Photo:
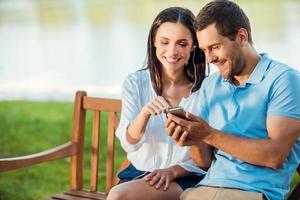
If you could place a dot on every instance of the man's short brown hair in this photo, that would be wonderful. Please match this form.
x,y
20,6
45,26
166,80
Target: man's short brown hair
x,y
226,15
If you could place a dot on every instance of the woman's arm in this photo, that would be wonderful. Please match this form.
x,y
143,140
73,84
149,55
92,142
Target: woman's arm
x,y
136,129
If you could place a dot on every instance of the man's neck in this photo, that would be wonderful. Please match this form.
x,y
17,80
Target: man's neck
x,y
252,58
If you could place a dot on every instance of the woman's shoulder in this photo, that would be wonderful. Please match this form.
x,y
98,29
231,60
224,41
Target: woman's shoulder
x,y
140,76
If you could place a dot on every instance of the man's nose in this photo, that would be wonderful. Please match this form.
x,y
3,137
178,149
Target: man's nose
x,y
211,58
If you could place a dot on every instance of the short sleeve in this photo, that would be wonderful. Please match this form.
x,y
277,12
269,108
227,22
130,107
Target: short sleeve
x,y
285,95
131,106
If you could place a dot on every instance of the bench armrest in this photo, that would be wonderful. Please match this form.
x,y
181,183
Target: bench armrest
x,y
67,149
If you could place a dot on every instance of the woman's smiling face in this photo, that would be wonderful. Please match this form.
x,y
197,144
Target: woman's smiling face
x,y
174,43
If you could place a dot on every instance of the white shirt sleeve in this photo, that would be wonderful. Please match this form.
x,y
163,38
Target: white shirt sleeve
x,y
131,106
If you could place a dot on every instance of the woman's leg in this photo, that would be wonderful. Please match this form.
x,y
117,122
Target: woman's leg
x,y
140,189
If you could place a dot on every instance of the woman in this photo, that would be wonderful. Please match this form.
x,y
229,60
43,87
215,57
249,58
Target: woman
x,y
175,69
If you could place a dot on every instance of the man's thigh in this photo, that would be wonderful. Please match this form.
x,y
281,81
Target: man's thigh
x,y
219,193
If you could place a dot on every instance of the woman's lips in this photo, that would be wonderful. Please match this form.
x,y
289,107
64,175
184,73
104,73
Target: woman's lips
x,y
172,60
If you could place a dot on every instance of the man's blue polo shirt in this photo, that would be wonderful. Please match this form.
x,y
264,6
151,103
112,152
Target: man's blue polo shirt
x,y
272,89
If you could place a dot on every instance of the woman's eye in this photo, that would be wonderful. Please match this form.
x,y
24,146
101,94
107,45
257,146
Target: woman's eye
x,y
163,43
183,45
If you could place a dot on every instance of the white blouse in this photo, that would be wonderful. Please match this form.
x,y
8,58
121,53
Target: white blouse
x,y
155,150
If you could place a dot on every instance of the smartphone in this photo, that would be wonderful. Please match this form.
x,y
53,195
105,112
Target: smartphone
x,y
176,110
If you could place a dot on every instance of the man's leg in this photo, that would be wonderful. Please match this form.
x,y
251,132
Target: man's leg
x,y
218,193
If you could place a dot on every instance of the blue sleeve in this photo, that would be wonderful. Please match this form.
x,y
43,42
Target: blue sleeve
x,y
285,95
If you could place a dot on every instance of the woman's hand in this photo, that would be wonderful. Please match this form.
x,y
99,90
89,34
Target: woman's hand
x,y
136,129
160,177
163,177
155,106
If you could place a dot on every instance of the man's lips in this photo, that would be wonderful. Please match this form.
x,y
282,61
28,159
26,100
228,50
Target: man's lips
x,y
220,65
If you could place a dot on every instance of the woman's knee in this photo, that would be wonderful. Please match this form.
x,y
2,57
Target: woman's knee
x,y
116,193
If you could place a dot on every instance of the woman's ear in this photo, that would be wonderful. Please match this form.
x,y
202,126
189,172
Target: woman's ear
x,y
154,43
193,48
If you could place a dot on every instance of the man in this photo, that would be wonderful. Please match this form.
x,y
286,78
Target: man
x,y
250,113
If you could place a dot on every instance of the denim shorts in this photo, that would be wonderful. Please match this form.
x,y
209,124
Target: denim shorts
x,y
185,182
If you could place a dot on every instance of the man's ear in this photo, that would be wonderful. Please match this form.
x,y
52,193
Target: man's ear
x,y
242,36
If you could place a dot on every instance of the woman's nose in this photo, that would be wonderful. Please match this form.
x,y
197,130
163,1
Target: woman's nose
x,y
172,50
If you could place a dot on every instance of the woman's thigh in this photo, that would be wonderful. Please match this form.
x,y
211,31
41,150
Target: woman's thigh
x,y
140,189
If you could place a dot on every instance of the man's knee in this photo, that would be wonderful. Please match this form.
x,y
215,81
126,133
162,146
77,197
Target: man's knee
x,y
185,194
219,193
197,193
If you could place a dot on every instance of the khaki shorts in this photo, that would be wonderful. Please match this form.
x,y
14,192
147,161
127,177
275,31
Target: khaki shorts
x,y
219,193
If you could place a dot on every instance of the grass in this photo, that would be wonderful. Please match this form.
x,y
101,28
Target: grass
x,y
27,127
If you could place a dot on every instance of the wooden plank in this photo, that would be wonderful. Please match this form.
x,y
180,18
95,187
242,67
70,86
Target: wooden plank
x,y
76,169
95,150
86,194
67,149
124,165
110,150
102,104
67,197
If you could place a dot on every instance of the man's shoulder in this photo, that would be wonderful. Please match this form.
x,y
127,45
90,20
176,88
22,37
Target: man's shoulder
x,y
279,70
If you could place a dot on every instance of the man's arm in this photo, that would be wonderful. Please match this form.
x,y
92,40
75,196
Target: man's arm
x,y
201,154
270,152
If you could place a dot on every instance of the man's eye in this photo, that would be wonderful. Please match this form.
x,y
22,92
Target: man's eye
x,y
216,47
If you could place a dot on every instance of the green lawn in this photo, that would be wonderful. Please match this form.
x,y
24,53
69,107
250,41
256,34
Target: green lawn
x,y
28,127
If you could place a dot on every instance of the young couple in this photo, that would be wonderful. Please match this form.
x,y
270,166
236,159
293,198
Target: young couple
x,y
242,140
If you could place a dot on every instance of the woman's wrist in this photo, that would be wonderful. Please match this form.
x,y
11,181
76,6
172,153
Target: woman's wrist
x,y
145,113
178,171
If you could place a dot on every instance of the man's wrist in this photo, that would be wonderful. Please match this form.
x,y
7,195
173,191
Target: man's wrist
x,y
210,136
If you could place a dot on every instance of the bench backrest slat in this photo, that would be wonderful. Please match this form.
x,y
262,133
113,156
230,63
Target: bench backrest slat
x,y
95,150
112,125
79,115
97,106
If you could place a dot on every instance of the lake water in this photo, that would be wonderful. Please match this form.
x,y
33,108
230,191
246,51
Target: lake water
x,y
51,48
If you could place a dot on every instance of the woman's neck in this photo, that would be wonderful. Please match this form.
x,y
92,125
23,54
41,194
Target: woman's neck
x,y
175,87
174,78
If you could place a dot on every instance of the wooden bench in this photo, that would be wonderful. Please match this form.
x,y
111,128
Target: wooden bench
x,y
75,150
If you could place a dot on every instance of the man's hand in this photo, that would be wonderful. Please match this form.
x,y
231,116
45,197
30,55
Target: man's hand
x,y
189,131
